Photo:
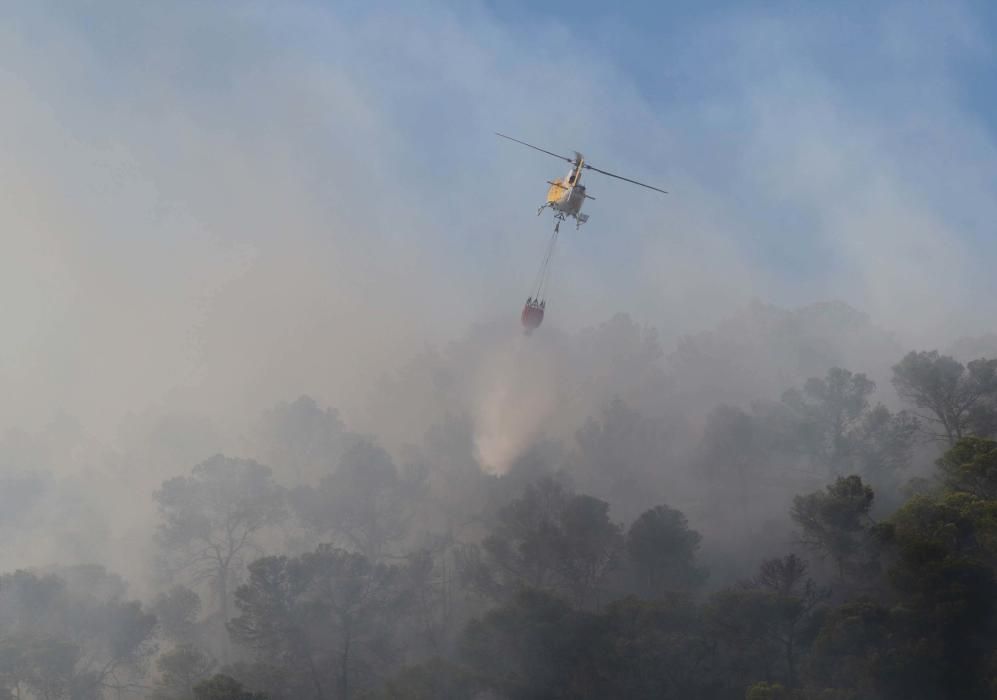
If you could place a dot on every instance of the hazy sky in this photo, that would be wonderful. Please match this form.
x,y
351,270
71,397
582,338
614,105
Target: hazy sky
x,y
222,204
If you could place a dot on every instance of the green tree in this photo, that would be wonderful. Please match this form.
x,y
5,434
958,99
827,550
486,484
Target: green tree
x,y
953,399
211,518
841,432
50,669
222,687
765,622
619,456
831,408
932,635
794,597
300,439
970,466
537,646
366,501
658,650
523,545
935,640
661,550
58,640
770,691
553,540
589,548
958,525
835,522
731,443
853,652
737,451
327,617
881,446
435,679
272,623
180,669
176,611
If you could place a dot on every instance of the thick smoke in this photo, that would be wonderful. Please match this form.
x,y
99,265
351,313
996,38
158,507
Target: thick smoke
x,y
221,227
281,240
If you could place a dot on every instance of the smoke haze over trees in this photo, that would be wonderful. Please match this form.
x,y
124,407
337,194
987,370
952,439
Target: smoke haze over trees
x,y
269,429
632,546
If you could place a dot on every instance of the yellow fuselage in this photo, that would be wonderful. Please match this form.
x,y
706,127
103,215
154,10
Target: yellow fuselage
x,y
567,194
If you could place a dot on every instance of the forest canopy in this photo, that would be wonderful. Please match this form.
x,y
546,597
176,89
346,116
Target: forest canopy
x,y
829,538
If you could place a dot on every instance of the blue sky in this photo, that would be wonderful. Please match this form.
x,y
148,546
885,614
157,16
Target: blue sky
x,y
259,176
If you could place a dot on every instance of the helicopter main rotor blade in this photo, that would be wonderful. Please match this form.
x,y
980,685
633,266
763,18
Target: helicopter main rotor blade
x,y
620,177
534,147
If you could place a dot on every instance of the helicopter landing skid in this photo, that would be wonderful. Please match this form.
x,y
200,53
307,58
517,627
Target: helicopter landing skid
x,y
561,216
558,218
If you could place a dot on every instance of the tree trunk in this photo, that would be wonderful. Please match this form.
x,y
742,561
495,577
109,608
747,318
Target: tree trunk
x,y
344,674
790,663
222,592
319,693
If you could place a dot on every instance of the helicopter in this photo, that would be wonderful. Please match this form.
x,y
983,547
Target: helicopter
x,y
566,195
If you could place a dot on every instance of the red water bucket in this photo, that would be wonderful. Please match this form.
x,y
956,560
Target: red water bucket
x,y
532,316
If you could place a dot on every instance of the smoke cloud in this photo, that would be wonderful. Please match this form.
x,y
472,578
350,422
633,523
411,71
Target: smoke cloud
x,y
209,210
